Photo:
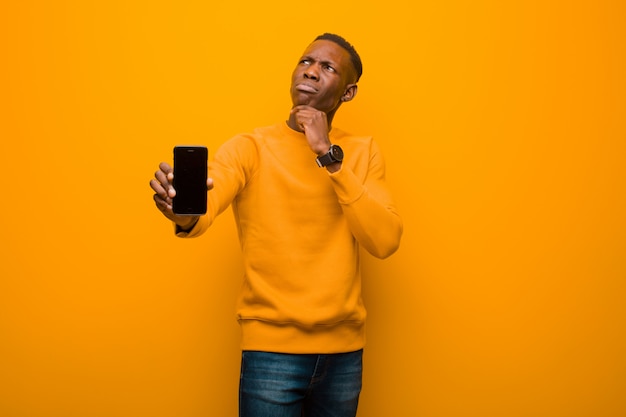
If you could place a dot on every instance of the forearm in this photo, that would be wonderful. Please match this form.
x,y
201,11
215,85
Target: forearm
x,y
229,177
194,228
370,213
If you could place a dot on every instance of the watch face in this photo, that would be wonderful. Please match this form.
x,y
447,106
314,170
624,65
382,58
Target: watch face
x,y
336,152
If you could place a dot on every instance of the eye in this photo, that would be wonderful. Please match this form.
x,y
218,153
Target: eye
x,y
304,62
329,68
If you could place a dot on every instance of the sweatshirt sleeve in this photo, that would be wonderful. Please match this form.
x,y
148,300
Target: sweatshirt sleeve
x,y
233,165
368,206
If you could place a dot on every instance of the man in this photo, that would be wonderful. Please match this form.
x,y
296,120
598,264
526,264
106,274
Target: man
x,y
306,196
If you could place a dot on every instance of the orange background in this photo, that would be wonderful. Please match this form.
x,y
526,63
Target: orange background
x,y
504,129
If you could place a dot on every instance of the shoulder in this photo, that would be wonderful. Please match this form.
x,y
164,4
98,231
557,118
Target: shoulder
x,y
246,148
345,139
249,140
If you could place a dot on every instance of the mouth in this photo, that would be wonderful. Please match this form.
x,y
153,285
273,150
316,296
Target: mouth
x,y
306,88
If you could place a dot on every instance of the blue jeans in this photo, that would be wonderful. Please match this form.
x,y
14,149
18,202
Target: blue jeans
x,y
290,385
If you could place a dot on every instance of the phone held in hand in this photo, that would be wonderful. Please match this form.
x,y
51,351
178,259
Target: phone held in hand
x,y
190,175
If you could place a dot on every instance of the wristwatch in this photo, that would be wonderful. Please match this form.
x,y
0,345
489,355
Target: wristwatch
x,y
334,154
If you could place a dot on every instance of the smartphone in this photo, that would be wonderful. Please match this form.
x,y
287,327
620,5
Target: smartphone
x,y
190,175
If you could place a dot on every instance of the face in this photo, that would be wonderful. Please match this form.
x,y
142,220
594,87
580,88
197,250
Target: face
x,y
324,77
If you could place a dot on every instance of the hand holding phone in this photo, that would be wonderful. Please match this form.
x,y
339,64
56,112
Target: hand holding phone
x,y
190,180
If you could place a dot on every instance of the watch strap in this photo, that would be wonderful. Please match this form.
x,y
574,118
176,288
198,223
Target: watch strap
x,y
325,159
334,154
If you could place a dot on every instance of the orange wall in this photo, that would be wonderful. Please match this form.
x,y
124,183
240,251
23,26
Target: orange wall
x,y
503,124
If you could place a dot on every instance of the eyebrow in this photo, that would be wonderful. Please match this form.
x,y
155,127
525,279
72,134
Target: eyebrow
x,y
326,62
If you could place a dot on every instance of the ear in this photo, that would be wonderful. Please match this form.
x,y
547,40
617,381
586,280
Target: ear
x,y
351,90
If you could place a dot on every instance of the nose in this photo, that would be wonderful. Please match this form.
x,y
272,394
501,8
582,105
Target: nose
x,y
312,72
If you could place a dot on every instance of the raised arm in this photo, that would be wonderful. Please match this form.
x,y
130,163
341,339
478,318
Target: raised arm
x,y
368,206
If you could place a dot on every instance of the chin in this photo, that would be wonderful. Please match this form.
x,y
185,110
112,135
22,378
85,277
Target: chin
x,y
302,101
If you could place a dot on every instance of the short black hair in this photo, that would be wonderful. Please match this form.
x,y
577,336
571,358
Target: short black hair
x,y
354,56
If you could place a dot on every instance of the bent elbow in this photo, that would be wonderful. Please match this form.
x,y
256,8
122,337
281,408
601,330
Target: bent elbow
x,y
387,251
388,244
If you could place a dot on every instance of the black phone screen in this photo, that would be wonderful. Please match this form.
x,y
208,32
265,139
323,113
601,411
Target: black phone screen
x,y
190,175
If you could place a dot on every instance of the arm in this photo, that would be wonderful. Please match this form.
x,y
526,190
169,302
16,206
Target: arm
x,y
230,170
368,206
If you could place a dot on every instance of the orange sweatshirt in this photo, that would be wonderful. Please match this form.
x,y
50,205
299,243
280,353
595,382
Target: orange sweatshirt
x,y
300,230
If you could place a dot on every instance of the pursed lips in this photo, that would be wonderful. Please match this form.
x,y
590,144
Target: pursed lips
x,y
307,88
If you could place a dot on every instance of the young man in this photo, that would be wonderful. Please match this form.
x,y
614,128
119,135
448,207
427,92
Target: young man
x,y
306,196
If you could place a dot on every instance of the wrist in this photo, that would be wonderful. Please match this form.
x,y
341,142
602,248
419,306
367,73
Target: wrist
x,y
334,167
334,155
322,149
188,225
